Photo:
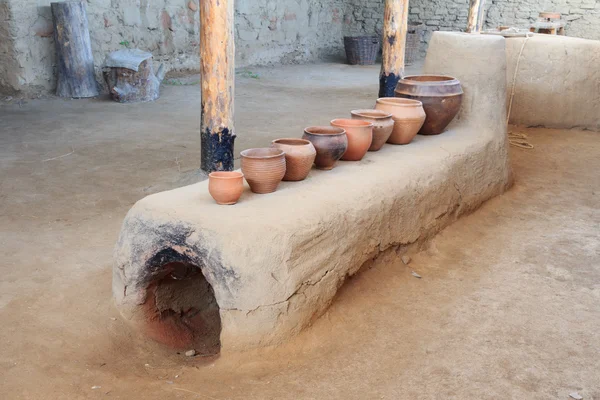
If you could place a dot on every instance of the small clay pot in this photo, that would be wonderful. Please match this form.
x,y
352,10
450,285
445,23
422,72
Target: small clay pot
x,y
330,142
300,155
441,97
383,125
263,168
226,187
360,137
408,116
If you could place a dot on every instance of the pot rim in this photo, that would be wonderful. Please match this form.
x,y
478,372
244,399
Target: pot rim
x,y
226,175
399,101
295,142
325,131
275,152
351,123
446,80
370,113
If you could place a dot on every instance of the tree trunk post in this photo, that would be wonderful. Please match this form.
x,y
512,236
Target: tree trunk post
x,y
217,63
76,75
395,27
476,14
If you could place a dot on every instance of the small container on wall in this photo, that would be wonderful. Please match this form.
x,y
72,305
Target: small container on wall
x,y
360,137
226,187
408,116
300,155
441,97
264,168
330,142
383,125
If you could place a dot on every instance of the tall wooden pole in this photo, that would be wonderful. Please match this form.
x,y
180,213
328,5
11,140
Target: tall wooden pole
x,y
476,14
395,26
217,64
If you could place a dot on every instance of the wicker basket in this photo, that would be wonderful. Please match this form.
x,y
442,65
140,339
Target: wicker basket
x,y
413,42
361,50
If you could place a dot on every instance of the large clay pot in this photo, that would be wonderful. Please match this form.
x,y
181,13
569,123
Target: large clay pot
x,y
226,187
299,157
330,142
360,137
383,125
263,168
408,116
441,97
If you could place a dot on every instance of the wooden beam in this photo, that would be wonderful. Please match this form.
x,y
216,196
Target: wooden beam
x,y
395,26
476,16
217,72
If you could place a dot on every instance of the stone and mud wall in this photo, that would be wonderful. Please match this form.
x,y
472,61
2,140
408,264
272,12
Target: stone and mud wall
x,y
582,16
267,31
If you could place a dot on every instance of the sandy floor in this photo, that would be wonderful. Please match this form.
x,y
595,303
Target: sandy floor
x,y
507,306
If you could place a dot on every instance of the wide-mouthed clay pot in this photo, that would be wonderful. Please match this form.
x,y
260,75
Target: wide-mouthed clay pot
x,y
383,125
408,118
330,142
299,157
441,97
360,137
263,168
226,187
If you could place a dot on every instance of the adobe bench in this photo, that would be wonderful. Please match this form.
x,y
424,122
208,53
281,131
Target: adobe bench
x,y
192,274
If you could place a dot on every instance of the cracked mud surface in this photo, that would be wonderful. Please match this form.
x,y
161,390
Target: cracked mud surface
x,y
507,306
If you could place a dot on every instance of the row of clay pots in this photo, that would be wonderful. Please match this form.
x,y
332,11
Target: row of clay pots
x,y
264,169
292,159
425,104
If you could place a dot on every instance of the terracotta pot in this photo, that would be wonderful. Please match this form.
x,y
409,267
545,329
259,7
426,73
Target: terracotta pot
x,y
383,125
408,118
263,168
330,142
441,97
226,187
360,137
299,157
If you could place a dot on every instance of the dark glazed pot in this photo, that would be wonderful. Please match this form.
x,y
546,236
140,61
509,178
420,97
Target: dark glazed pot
x,y
330,142
441,97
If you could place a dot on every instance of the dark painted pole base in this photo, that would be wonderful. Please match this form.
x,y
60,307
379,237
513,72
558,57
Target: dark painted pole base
x,y
387,85
217,150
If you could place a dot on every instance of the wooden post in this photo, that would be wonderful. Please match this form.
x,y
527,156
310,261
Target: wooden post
x,y
76,75
217,63
476,16
395,26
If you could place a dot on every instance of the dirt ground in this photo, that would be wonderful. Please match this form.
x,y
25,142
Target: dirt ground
x,y
507,306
